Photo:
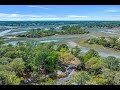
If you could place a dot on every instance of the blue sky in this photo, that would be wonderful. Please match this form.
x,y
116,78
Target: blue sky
x,y
59,12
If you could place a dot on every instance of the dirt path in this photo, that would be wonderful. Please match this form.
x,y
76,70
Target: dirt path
x,y
65,79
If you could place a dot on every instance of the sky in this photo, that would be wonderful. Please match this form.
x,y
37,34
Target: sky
x,y
59,12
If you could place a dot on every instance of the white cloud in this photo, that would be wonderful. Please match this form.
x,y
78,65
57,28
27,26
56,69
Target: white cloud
x,y
33,6
77,16
112,10
27,17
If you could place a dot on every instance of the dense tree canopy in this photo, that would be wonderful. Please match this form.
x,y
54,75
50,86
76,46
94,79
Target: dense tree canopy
x,y
113,63
91,53
36,62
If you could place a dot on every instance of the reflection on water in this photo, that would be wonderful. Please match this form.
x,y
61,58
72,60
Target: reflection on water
x,y
18,32
49,41
4,32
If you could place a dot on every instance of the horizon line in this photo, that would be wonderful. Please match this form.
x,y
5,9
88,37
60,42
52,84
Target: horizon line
x,y
57,20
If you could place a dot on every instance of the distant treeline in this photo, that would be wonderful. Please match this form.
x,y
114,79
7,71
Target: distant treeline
x,y
89,24
65,30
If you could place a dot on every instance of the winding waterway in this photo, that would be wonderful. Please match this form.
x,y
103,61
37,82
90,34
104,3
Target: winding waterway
x,y
67,39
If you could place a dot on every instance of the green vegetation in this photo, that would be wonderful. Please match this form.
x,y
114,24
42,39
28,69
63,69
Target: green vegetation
x,y
91,53
66,30
110,42
113,63
31,63
80,78
1,40
39,62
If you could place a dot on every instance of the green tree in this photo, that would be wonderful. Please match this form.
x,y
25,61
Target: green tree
x,y
1,41
80,78
8,78
91,53
17,65
75,51
98,80
5,60
80,57
95,65
113,41
116,80
109,75
62,46
113,63
51,61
